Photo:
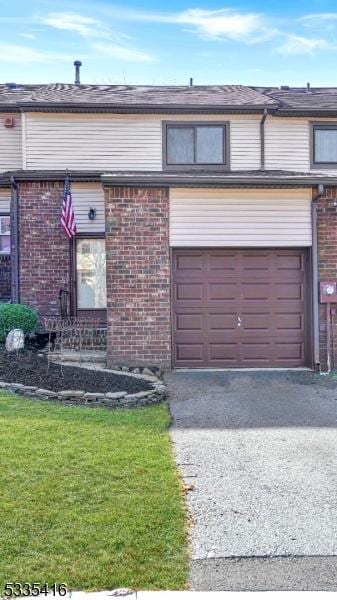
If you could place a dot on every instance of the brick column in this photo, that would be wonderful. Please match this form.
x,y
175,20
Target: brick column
x,y
327,261
44,255
138,276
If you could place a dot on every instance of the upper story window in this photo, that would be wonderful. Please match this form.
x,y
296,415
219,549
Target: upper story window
x,y
324,145
5,237
196,145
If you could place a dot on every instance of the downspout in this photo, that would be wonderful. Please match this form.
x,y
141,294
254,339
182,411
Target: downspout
x,y
15,295
315,315
264,116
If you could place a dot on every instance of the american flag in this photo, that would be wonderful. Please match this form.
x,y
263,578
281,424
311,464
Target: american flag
x,y
67,214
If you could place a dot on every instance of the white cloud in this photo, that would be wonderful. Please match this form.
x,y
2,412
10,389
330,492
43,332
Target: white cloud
x,y
113,45
110,50
28,36
12,53
296,44
66,21
315,17
225,23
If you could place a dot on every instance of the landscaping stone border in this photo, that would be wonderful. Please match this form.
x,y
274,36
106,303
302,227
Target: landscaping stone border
x,y
89,399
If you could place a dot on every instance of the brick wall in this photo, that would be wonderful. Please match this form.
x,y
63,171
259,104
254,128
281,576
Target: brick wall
x,y
327,261
138,276
44,248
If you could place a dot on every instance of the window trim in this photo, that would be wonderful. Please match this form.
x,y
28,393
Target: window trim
x,y
313,127
3,214
198,166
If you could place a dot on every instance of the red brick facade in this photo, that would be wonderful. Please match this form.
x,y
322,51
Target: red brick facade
x,y
327,261
138,265
138,276
44,249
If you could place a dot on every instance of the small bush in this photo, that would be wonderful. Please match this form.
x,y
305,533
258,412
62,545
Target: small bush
x,y
17,316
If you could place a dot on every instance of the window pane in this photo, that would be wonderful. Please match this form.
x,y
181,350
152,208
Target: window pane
x,y
91,282
210,145
5,244
180,142
326,145
5,240
5,225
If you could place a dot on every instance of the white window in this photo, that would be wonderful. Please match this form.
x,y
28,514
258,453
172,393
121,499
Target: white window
x,y
196,145
324,145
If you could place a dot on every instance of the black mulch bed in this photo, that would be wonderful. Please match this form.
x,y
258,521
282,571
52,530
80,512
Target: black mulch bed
x,y
29,368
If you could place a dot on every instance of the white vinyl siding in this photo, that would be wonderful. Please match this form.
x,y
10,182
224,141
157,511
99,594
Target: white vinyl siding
x,y
5,200
92,142
86,196
240,218
10,143
245,148
287,145
122,142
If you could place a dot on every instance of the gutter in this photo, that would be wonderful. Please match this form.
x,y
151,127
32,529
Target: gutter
x,y
14,211
124,108
315,315
151,180
262,141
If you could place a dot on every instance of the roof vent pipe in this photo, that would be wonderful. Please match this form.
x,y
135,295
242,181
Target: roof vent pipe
x,y
308,88
191,81
77,65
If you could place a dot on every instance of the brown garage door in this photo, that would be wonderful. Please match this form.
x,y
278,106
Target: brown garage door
x,y
238,308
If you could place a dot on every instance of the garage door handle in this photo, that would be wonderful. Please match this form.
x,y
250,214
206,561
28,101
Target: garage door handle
x,y
239,321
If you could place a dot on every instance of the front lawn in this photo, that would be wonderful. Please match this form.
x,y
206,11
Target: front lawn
x,y
90,498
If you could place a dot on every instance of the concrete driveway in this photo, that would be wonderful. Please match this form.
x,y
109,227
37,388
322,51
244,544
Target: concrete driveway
x,y
260,450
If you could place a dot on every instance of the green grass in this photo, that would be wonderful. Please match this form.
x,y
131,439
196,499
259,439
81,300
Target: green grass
x,y
89,497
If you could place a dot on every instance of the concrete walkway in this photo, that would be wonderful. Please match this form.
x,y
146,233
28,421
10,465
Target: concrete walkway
x,y
260,450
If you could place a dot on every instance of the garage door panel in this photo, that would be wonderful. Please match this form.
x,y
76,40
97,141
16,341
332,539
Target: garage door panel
x,y
190,352
243,308
189,291
288,262
287,351
189,322
189,262
222,321
221,291
289,321
221,263
289,291
222,352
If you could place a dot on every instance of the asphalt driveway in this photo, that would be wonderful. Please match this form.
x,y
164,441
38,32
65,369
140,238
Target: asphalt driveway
x,y
260,450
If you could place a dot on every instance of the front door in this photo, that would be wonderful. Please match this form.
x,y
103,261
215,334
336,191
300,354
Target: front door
x,y
5,258
90,278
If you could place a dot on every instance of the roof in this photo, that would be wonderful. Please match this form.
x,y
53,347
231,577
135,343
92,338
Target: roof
x,y
163,178
301,99
124,96
196,98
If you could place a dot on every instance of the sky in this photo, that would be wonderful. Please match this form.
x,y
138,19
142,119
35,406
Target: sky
x,y
249,42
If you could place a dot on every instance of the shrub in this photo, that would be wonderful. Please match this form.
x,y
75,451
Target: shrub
x,y
17,316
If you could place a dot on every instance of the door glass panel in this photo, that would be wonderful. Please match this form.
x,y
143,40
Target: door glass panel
x,y
5,240
90,276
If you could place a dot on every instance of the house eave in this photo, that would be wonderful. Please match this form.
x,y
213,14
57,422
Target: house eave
x,y
136,108
248,181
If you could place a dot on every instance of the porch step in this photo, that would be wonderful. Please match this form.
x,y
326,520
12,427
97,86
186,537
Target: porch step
x,y
90,356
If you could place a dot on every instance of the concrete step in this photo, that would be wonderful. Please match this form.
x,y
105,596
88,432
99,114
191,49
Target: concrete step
x,y
90,356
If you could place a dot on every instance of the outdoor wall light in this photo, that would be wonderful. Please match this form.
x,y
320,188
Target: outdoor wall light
x,y
92,214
